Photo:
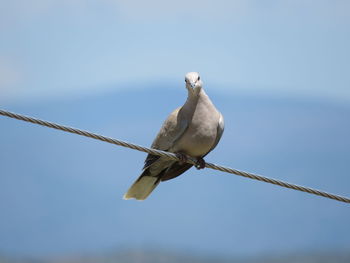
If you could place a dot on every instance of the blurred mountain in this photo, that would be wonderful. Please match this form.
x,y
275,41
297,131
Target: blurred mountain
x,y
61,193
162,257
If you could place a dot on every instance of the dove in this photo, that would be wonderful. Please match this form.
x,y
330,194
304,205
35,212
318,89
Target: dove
x,y
191,130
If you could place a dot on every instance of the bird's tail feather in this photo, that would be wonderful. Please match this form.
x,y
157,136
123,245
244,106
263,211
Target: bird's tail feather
x,y
142,187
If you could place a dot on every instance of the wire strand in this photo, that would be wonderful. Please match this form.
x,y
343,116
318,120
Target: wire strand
x,y
173,156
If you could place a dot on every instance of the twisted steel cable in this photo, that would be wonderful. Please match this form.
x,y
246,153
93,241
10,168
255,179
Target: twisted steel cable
x,y
174,157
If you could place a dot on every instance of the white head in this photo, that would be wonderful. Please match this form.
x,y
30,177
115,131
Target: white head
x,y
193,82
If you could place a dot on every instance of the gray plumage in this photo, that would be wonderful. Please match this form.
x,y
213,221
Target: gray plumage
x,y
193,129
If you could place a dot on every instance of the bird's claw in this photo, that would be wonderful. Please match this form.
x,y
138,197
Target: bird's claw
x,y
200,164
183,158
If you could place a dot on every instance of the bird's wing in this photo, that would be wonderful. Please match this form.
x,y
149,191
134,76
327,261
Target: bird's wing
x,y
175,170
219,132
173,128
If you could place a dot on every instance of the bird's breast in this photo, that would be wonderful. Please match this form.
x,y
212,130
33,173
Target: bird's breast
x,y
197,140
201,133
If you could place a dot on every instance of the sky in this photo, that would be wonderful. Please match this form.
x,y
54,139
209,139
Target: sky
x,y
52,49
277,70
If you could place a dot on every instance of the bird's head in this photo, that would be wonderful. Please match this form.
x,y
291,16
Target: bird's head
x,y
193,82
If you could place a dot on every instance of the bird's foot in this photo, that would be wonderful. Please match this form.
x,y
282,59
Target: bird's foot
x,y
200,164
183,157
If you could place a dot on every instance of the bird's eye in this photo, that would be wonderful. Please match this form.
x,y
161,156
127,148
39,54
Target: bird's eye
x,y
199,78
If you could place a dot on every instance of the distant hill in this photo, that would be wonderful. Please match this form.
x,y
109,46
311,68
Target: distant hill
x,y
156,257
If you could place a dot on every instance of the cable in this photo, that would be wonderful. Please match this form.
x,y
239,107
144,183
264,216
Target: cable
x,y
173,156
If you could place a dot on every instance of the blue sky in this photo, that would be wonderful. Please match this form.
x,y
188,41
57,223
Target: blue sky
x,y
71,48
276,69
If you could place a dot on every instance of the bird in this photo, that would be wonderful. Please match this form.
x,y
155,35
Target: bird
x,y
193,129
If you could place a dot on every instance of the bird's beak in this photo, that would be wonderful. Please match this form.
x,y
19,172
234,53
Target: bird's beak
x,y
193,85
